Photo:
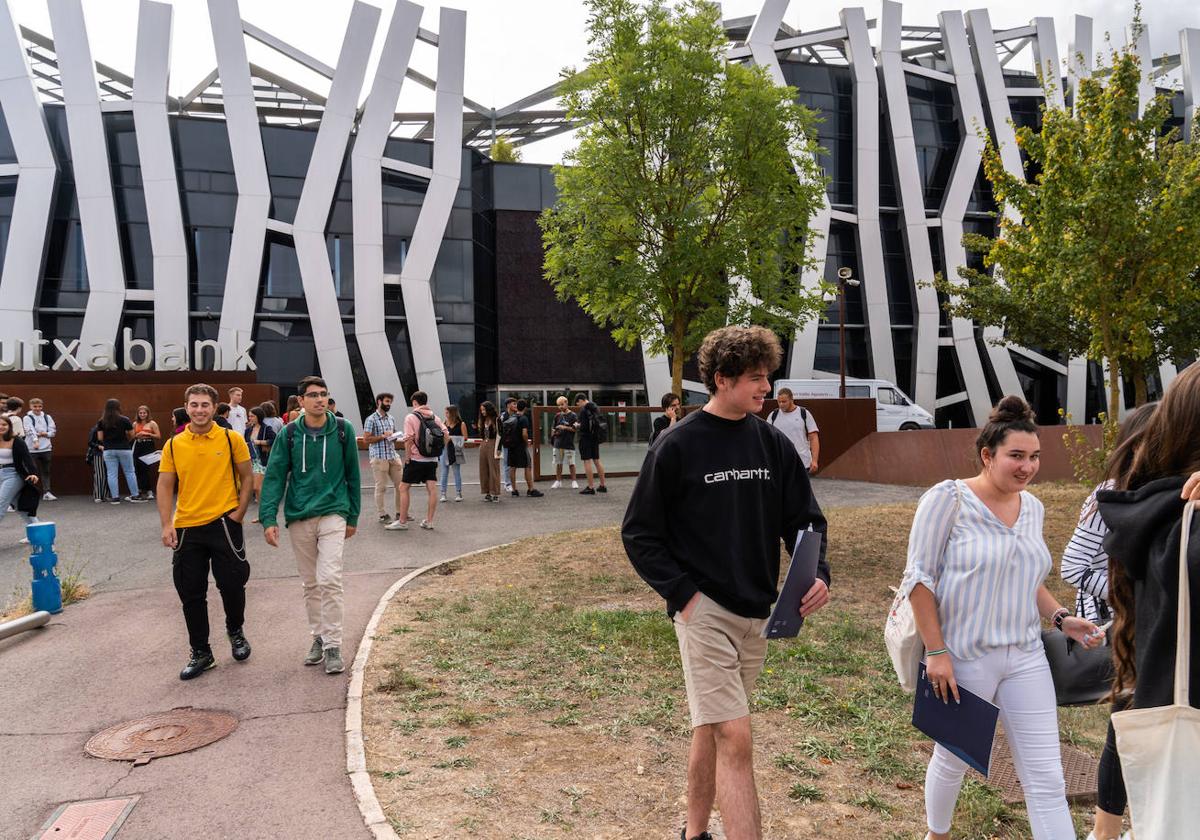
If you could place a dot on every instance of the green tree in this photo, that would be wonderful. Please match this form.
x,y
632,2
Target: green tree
x,y
503,151
687,201
1097,254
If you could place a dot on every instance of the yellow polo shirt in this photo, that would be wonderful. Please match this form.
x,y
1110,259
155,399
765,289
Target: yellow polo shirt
x,y
205,474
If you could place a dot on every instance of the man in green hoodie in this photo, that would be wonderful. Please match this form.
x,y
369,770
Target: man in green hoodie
x,y
315,458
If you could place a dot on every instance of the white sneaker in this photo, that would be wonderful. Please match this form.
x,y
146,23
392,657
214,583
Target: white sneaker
x,y
574,485
49,497
458,497
24,541
443,498
426,525
1125,836
556,485
397,525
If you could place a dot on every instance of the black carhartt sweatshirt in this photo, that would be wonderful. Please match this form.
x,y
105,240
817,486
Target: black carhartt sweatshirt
x,y
1144,529
712,501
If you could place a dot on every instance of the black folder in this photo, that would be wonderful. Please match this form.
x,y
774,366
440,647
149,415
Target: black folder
x,y
786,621
966,728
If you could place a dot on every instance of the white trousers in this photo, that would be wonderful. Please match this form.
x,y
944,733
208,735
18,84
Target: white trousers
x,y
318,544
1019,683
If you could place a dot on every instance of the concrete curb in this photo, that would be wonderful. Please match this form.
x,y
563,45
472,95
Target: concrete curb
x,y
356,755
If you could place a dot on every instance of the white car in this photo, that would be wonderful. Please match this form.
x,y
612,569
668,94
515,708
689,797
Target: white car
x,y
894,411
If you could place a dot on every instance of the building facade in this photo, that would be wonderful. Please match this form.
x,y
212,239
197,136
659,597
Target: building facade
x,y
255,225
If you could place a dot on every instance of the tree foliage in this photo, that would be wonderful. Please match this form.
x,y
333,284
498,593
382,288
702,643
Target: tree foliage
x,y
1097,255
689,173
503,151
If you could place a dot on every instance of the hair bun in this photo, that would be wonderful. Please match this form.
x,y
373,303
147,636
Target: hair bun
x,y
1011,409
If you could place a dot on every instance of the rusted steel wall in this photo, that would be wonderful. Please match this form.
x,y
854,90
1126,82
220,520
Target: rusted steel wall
x,y
75,400
926,457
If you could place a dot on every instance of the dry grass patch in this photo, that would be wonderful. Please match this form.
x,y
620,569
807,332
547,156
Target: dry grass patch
x,y
74,590
536,692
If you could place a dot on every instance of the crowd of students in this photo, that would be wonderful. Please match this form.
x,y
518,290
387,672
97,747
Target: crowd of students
x,y
975,572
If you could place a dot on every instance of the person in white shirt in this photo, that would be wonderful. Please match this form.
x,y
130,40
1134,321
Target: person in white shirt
x,y
798,424
39,436
237,411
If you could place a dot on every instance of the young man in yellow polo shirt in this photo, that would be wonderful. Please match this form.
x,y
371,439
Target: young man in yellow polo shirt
x,y
212,468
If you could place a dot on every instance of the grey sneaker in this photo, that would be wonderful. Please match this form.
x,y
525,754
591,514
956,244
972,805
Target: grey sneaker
x,y
384,518
396,525
426,524
315,653
333,661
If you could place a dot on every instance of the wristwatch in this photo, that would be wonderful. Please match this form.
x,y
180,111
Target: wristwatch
x,y
1059,615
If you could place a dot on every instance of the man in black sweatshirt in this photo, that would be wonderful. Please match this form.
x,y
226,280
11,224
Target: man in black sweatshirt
x,y
712,501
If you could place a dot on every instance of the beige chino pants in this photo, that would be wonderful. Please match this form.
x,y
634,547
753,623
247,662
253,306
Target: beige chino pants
x,y
386,472
318,544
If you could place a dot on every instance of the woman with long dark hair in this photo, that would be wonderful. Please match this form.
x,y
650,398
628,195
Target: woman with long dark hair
x,y
977,565
452,457
489,455
18,474
1085,566
1144,518
116,437
146,436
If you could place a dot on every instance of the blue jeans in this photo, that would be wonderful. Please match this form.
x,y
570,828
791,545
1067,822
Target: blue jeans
x,y
10,486
445,471
122,459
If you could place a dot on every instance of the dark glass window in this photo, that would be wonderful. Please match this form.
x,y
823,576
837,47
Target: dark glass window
x,y
8,154
137,255
210,259
283,272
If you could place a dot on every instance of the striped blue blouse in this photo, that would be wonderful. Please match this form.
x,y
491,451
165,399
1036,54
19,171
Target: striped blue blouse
x,y
984,575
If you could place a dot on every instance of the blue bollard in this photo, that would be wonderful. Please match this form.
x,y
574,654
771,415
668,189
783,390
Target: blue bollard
x,y
47,589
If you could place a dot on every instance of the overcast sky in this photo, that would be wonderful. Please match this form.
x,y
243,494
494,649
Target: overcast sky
x,y
515,47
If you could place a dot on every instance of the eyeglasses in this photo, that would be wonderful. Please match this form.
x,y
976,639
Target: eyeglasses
x,y
316,395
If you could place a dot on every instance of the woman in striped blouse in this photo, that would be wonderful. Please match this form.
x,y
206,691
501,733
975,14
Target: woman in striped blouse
x,y
977,564
1085,566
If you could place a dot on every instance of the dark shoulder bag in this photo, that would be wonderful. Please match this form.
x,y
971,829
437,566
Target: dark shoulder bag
x,y
1081,677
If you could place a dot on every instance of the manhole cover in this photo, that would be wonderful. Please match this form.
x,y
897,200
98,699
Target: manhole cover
x,y
160,734
1079,770
98,819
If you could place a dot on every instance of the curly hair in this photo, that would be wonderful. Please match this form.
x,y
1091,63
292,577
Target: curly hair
x,y
732,351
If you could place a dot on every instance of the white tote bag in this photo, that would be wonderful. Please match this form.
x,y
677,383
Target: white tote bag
x,y
900,635
1160,747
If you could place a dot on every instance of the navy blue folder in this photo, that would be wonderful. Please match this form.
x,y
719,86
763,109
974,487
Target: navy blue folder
x,y
967,728
785,620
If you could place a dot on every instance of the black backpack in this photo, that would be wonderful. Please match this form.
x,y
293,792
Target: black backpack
x,y
510,432
598,425
431,440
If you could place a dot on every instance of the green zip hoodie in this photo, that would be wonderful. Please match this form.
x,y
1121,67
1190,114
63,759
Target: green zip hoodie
x,y
319,470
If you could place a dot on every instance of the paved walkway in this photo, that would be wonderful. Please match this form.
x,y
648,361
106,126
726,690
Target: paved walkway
x,y
115,657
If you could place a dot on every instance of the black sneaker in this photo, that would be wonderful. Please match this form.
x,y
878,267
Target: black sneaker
x,y
601,489
239,646
516,492
536,494
384,518
704,835
587,491
200,662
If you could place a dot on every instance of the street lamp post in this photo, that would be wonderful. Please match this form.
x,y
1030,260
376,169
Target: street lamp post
x,y
845,278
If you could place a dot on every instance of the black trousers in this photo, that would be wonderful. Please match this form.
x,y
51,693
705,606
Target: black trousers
x,y
41,461
141,468
221,545
1110,781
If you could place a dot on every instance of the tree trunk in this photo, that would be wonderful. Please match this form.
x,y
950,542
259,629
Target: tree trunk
x,y
1114,390
678,331
1139,386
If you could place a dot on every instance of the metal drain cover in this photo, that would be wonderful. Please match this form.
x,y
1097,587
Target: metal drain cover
x,y
161,734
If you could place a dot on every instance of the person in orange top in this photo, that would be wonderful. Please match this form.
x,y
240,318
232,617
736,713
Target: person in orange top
x,y
146,436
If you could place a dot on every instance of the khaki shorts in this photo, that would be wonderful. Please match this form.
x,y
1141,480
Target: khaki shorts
x,y
722,654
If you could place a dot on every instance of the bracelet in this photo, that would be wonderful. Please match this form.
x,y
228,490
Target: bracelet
x,y
937,652
1059,615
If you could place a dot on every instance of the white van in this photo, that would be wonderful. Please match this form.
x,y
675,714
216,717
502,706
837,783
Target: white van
x,y
894,411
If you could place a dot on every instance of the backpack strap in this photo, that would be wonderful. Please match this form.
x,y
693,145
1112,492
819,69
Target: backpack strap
x,y
237,482
771,417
